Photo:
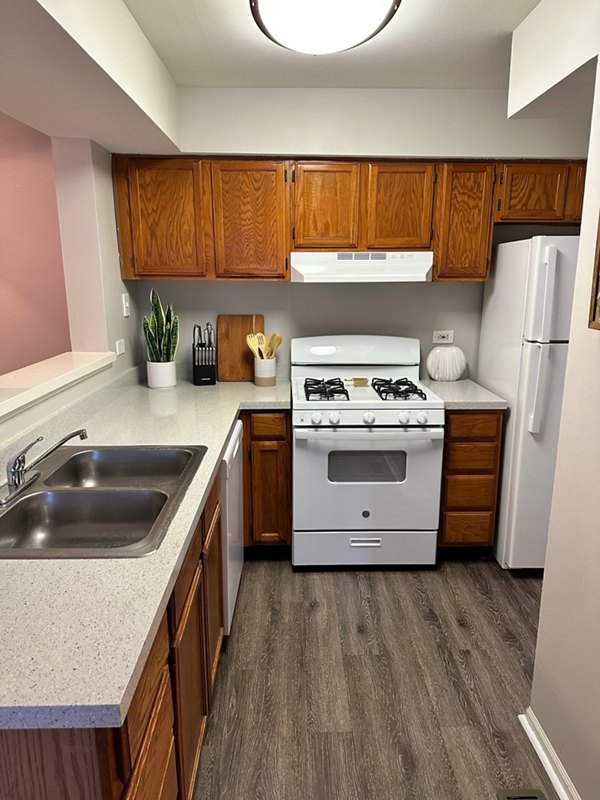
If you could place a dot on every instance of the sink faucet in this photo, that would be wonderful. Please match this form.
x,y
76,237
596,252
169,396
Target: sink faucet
x,y
17,466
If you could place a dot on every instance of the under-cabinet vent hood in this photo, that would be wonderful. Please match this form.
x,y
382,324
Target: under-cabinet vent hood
x,y
353,267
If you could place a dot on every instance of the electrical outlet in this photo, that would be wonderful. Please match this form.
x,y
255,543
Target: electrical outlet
x,y
120,346
443,337
125,304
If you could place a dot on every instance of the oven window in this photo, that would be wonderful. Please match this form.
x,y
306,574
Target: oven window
x,y
366,466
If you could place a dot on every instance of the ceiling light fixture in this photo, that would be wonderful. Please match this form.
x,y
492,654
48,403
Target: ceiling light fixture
x,y
318,27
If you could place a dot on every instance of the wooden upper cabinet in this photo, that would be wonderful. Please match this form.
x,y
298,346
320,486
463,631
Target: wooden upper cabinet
x,y
576,185
531,192
326,205
164,217
250,217
463,225
399,205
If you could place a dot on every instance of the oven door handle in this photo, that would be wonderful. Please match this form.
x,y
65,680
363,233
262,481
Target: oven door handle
x,y
391,435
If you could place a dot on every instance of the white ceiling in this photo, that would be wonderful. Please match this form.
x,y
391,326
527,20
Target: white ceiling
x,y
428,44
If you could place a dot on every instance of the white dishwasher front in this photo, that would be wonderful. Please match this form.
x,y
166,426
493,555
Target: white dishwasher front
x,y
232,505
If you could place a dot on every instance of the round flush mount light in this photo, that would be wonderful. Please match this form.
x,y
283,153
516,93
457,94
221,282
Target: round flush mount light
x,y
318,27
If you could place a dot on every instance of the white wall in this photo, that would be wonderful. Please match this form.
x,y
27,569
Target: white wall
x,y
377,122
550,44
52,84
566,685
109,34
408,309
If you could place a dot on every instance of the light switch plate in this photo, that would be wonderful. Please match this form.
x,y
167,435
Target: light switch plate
x,y
125,304
443,337
120,346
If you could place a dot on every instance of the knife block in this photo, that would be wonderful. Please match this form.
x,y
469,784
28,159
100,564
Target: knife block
x,y
205,375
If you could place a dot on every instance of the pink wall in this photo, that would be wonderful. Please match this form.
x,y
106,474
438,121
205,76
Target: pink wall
x,y
34,322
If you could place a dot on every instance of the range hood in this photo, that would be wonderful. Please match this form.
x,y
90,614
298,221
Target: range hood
x,y
353,267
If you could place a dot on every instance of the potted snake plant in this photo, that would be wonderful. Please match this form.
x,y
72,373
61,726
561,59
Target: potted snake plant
x,y
162,336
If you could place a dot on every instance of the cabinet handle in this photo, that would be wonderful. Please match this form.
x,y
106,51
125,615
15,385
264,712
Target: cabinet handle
x,y
365,542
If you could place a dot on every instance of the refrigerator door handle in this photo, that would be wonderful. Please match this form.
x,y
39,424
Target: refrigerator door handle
x,y
550,261
539,395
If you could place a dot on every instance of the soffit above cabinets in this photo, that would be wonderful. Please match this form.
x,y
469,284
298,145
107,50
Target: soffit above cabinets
x,y
428,44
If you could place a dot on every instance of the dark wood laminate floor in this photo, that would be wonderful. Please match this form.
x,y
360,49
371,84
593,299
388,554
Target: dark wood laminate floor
x,y
375,685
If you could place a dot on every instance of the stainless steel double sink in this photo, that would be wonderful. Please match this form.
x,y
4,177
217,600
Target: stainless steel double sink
x,y
98,502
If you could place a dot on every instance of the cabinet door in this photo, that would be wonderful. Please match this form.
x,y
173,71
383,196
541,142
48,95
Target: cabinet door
x,y
532,193
574,202
326,205
152,776
170,219
250,213
271,507
213,597
399,205
463,224
188,662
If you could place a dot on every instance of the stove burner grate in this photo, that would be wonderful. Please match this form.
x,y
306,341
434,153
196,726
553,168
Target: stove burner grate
x,y
319,389
400,389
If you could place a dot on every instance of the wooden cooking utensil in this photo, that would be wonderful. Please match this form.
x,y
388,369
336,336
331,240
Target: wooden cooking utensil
x,y
274,342
252,341
261,341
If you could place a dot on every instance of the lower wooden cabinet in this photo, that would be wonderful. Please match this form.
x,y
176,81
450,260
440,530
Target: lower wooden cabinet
x,y
470,477
155,755
152,777
188,665
267,478
213,595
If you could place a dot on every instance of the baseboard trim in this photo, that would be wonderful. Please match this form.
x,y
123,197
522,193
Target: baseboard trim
x,y
559,776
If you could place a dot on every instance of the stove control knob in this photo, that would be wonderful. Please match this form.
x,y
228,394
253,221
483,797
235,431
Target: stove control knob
x,y
369,418
404,417
422,417
335,417
316,418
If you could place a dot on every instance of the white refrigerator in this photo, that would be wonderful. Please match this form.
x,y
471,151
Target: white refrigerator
x,y
522,357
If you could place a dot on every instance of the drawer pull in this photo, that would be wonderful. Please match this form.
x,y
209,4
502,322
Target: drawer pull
x,y
365,542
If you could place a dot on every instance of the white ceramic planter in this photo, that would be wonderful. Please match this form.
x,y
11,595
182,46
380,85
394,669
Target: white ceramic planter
x,y
264,371
446,363
161,374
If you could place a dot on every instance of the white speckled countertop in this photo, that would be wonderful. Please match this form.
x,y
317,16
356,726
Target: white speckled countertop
x,y
76,633
465,395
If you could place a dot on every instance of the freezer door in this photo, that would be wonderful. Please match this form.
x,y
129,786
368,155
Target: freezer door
x,y
551,279
528,474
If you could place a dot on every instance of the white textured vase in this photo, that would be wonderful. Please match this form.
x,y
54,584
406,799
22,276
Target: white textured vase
x,y
161,374
446,363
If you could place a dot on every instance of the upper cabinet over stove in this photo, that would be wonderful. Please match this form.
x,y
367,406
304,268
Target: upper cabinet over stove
x,y
238,219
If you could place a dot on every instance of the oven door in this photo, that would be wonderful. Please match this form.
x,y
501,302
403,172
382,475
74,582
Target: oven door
x,y
352,479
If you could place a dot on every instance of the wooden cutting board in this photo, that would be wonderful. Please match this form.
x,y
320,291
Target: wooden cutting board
x,y
235,361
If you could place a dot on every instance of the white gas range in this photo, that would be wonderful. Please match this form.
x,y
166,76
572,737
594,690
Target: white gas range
x,y
368,441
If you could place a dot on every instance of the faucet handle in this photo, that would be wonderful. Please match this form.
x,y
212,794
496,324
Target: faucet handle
x,y
19,459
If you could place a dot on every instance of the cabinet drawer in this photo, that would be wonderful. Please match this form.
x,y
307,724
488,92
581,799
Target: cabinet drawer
x,y
268,426
467,527
210,506
469,491
473,426
143,699
184,581
480,456
151,774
